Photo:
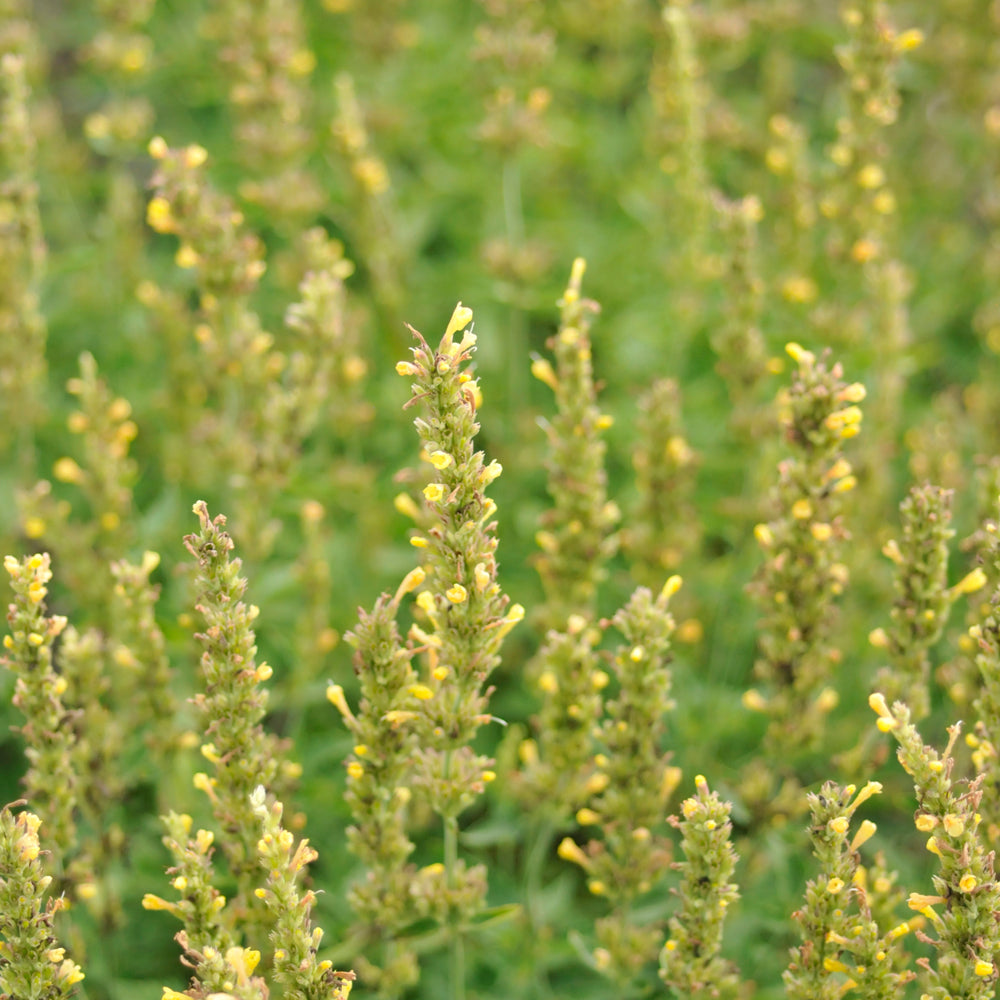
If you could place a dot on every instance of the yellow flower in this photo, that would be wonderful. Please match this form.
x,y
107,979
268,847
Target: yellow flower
x,y
543,371
569,850
434,492
968,882
799,354
66,470
440,459
158,215
865,832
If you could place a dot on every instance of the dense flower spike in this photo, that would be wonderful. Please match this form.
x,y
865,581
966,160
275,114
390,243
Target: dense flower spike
x,y
105,477
739,342
296,966
802,573
860,202
268,67
372,224
984,637
277,397
690,961
32,963
232,702
961,913
557,762
208,934
843,946
923,598
660,530
681,99
49,735
577,535
379,771
631,785
465,612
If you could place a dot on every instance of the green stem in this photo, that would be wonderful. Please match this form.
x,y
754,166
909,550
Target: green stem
x,y
456,942
542,834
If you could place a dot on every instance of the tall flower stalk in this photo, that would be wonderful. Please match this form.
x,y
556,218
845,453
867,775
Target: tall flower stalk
x,y
466,615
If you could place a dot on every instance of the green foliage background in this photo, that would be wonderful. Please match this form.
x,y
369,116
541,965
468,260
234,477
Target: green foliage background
x,y
600,185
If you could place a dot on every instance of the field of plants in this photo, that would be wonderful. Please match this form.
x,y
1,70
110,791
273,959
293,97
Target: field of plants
x,y
500,499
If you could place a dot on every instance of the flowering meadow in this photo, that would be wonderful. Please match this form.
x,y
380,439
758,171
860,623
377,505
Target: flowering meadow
x,y
500,499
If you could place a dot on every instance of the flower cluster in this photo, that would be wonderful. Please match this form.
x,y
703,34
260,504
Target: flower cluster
x,y
296,966
268,66
923,599
630,785
577,535
104,477
514,47
121,53
208,934
32,962
985,638
690,961
138,650
557,762
463,617
232,702
378,787
738,341
842,945
254,404
961,910
681,100
371,221
801,574
48,732
463,605
660,529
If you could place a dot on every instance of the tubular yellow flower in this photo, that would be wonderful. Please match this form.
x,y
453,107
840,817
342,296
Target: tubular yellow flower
x,y
569,850
865,832
404,504
968,882
434,492
799,354
544,372
971,582
411,581
461,317
954,825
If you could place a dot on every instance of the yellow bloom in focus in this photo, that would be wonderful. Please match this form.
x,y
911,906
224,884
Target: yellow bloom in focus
x,y
434,492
